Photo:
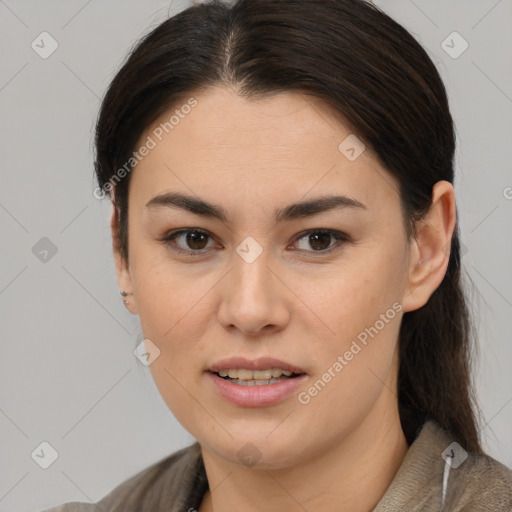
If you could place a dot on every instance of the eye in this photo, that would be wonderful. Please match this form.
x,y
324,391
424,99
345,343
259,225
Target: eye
x,y
194,240
320,240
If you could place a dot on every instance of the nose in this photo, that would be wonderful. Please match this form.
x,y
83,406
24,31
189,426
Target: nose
x,y
254,299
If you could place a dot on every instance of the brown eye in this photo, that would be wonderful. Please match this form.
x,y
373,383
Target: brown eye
x,y
196,240
191,240
320,240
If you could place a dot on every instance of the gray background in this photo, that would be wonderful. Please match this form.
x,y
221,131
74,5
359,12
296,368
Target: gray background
x,y
68,375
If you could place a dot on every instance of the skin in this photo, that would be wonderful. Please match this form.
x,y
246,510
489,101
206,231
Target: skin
x,y
342,449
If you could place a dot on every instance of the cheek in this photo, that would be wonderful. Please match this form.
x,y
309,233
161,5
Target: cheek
x,y
359,311
173,306
352,296
178,393
166,292
355,366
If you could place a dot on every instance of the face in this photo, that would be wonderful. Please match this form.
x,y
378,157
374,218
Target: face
x,y
318,289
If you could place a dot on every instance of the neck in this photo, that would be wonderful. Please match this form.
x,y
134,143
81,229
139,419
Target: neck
x,y
351,475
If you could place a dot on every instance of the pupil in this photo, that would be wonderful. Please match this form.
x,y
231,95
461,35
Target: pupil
x,y
192,239
313,240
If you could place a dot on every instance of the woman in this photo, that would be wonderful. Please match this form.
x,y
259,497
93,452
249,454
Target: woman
x,y
284,224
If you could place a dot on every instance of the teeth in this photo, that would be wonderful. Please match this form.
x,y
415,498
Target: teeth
x,y
254,375
256,382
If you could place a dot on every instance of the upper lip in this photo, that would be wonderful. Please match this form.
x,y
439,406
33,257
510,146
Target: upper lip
x,y
262,363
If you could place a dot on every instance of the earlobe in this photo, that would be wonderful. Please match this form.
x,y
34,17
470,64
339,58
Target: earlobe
x,y
430,250
124,280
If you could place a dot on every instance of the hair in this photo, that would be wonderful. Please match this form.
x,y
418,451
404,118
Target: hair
x,y
370,70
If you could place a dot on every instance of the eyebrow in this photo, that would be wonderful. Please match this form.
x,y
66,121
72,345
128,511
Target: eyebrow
x,y
293,211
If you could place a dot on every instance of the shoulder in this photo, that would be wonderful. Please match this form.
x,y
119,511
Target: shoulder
x,y
436,471
162,486
480,483
471,482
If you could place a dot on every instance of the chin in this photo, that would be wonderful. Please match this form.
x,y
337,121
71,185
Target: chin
x,y
253,450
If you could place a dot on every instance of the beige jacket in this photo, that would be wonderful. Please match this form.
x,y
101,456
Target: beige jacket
x,y
178,482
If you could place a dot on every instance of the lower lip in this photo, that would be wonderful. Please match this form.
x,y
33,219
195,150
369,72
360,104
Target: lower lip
x,y
256,396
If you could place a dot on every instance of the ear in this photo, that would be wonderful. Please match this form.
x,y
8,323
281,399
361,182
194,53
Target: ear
x,y
124,279
430,250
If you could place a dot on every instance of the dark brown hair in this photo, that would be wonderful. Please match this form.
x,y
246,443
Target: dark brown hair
x,y
370,70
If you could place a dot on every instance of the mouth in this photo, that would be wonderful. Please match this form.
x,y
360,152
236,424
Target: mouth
x,y
244,377
255,372
255,383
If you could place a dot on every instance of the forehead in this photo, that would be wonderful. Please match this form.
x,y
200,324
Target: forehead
x,y
283,146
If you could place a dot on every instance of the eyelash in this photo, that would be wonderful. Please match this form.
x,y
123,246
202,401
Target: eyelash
x,y
340,237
